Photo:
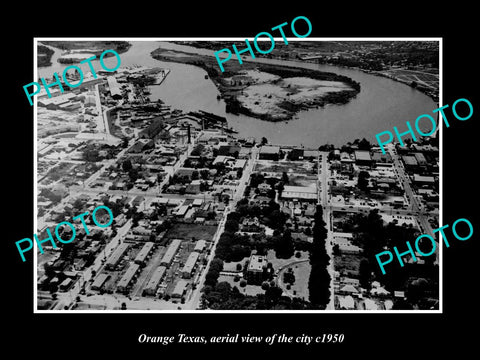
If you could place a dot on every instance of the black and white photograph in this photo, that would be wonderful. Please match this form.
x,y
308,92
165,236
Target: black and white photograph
x,y
218,180
260,187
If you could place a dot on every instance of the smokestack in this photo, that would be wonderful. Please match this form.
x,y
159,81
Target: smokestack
x,y
188,133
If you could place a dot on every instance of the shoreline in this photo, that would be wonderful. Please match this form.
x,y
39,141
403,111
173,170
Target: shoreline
x,y
47,60
287,108
379,74
432,94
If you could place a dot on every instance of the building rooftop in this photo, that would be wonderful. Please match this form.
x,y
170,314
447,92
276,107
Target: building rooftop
x,y
128,276
100,280
143,253
420,158
114,86
421,178
257,263
301,189
362,155
200,245
117,254
171,251
190,263
379,157
180,287
270,149
410,160
156,278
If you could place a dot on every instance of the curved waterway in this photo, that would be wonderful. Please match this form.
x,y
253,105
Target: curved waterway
x,y
381,104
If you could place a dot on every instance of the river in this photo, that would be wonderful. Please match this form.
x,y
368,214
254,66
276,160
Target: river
x,y
381,104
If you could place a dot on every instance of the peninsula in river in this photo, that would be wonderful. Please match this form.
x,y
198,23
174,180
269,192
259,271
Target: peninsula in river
x,y
265,91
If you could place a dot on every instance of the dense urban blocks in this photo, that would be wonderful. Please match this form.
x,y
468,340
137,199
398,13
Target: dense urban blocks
x,y
59,226
430,119
255,42
57,82
400,255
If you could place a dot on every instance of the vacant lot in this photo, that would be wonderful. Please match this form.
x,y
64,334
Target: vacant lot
x,y
188,231
347,264
302,273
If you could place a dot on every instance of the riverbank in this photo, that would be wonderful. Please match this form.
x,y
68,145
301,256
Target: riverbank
x,y
267,91
410,63
432,91
44,56
80,50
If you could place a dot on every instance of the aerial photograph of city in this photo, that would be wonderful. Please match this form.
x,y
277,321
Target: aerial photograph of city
x,y
257,188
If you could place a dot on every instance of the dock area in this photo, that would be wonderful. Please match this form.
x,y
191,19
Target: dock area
x,y
160,76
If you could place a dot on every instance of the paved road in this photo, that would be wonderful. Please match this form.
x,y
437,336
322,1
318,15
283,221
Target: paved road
x,y
324,175
67,298
415,205
194,301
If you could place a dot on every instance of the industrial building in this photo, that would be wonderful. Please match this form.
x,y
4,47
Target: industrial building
x,y
114,87
189,266
126,280
170,253
421,180
269,153
143,253
300,192
117,255
155,280
363,157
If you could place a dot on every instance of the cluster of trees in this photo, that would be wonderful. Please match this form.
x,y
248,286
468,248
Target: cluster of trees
x,y
372,235
270,215
363,180
91,155
357,144
44,55
319,281
200,163
49,194
197,150
222,296
366,64
213,272
234,247
289,276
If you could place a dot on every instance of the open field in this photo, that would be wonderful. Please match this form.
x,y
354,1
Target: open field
x,y
188,231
